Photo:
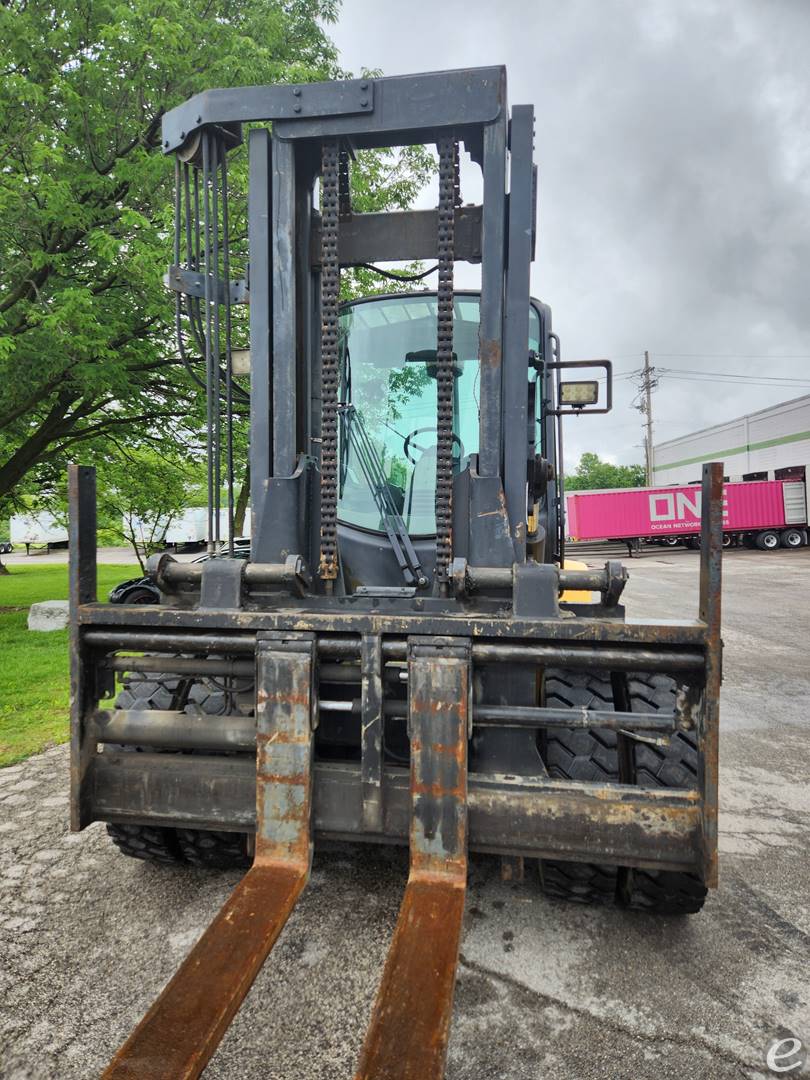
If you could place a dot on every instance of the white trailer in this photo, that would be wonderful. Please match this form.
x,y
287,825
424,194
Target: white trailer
x,y
39,528
190,527
771,444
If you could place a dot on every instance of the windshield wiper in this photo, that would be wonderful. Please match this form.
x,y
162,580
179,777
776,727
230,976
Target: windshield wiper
x,y
371,466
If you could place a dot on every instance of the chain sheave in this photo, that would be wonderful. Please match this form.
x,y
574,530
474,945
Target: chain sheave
x,y
330,290
449,198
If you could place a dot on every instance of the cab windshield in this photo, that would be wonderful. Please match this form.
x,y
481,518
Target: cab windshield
x,y
388,406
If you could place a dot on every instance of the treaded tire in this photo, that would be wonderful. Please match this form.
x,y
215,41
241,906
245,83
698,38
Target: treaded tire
x,y
215,850
662,892
148,842
579,754
199,847
792,538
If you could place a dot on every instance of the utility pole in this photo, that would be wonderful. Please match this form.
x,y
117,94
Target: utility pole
x,y
648,411
643,402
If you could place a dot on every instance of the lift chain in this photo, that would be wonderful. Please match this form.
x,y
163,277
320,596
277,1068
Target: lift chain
x,y
448,196
344,186
330,289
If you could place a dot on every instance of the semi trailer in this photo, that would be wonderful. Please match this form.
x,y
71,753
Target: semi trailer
x,y
765,514
39,528
404,657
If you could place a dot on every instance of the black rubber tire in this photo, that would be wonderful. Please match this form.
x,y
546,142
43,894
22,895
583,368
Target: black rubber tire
x,y
579,754
767,540
149,842
140,596
792,538
215,850
661,892
199,847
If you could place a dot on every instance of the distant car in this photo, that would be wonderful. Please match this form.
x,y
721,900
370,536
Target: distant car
x,y
5,547
141,590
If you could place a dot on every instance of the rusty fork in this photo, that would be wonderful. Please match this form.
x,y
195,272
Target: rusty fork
x,y
183,1028
410,1023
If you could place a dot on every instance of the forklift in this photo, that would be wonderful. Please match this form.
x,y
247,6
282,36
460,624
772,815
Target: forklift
x,y
406,657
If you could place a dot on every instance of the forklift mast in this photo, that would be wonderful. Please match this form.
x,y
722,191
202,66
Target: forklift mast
x,y
301,354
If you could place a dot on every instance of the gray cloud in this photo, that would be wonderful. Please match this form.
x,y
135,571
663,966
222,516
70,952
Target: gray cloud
x,y
674,180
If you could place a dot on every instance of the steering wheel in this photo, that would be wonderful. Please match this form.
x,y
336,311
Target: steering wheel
x,y
421,431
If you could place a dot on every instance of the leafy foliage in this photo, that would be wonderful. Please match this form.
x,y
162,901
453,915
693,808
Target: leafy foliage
x,y
383,180
142,493
88,363
593,473
85,208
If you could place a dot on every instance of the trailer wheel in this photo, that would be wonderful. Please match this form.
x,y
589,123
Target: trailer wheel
x,y
579,754
200,847
767,540
662,892
792,538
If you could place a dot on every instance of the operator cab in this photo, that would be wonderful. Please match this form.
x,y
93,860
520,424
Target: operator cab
x,y
388,410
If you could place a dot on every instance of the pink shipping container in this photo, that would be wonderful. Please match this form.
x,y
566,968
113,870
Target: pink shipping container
x,y
650,513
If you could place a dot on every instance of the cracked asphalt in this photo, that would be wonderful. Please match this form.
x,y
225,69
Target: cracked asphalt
x,y
545,990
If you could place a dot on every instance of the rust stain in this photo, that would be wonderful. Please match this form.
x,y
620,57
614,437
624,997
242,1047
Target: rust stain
x,y
284,697
184,1026
489,353
299,779
439,790
439,748
410,1024
281,738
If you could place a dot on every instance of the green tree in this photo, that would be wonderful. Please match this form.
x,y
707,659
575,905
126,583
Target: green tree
x,y
593,473
86,202
140,494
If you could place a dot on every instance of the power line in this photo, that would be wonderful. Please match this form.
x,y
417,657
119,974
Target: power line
x,y
736,382
734,356
735,375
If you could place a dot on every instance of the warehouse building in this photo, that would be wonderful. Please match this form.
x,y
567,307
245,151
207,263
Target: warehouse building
x,y
771,444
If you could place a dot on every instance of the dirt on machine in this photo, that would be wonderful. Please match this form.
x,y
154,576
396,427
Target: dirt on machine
x,y
405,657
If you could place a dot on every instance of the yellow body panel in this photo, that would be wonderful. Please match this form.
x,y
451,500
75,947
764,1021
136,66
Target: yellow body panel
x,y
576,596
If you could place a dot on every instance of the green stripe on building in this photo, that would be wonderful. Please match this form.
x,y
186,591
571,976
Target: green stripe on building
x,y
783,440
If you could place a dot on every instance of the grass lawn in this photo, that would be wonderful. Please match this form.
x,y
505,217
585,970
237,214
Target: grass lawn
x,y
34,666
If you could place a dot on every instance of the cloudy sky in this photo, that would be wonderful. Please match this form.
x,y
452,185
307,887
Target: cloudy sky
x,y
674,210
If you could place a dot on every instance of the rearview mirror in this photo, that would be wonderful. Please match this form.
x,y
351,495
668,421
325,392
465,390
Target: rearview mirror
x,y
579,394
